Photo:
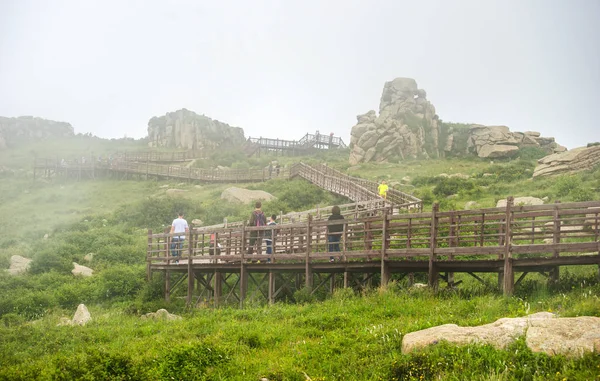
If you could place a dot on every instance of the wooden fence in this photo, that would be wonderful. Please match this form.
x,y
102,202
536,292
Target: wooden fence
x,y
501,240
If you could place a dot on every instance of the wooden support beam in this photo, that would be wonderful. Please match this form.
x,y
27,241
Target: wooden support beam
x,y
190,273
521,278
308,271
385,271
218,287
433,273
509,276
555,272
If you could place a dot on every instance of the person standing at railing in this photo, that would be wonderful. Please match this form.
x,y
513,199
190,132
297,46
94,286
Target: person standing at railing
x,y
269,235
334,232
382,189
257,218
179,225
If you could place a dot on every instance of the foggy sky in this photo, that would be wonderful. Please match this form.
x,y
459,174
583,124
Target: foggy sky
x,y
284,68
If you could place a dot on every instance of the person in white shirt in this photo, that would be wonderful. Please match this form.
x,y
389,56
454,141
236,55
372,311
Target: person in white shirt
x,y
179,225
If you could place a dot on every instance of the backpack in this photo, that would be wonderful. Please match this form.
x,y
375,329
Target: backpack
x,y
259,219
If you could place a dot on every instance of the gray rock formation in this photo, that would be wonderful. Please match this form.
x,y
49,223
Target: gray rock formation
x,y
526,200
18,264
161,314
25,128
407,126
576,160
245,196
543,333
81,270
186,129
499,141
82,317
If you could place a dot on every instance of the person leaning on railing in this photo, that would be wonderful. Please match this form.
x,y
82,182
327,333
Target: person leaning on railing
x,y
179,225
334,232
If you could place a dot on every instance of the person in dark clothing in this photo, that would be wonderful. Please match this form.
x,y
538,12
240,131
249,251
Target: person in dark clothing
x,y
257,218
334,232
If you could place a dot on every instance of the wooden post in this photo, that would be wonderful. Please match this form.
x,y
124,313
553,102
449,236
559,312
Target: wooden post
x,y
452,243
243,276
190,269
218,287
555,272
509,276
308,270
149,256
433,273
385,271
271,291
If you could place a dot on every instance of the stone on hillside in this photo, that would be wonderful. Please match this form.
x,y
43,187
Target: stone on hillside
x,y
186,129
499,334
164,186
406,179
174,192
532,133
497,150
521,201
471,205
198,186
245,196
161,314
81,270
89,257
564,336
82,316
46,236
419,285
197,222
576,160
18,264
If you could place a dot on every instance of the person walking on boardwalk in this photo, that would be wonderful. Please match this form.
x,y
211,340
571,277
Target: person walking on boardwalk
x,y
257,218
179,225
269,235
334,231
382,189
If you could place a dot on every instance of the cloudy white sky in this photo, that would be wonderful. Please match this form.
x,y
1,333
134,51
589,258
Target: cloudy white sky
x,y
284,68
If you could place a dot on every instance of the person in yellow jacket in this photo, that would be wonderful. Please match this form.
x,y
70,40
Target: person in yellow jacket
x,y
382,189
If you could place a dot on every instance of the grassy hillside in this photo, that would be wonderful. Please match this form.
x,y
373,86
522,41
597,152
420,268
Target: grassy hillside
x,y
345,336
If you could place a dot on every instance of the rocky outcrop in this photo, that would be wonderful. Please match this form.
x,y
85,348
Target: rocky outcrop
x,y
499,141
79,270
188,130
161,314
245,196
526,200
82,317
18,265
543,333
26,128
407,126
576,160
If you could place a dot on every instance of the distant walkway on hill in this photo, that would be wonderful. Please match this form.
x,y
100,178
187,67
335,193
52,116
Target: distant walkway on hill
x,y
358,190
255,146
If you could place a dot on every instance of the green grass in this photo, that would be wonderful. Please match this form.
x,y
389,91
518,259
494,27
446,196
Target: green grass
x,y
350,337
344,336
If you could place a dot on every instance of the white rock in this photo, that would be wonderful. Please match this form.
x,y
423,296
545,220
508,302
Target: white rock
x,y
161,314
197,222
521,201
18,264
46,236
89,257
245,196
174,192
82,315
81,270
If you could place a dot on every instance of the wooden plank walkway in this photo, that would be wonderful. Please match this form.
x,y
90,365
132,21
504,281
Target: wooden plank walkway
x,y
505,241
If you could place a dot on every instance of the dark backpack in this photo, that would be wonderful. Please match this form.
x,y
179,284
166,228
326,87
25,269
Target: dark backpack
x,y
259,219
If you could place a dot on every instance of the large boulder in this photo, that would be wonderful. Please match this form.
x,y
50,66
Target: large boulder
x,y
500,142
543,333
161,314
526,200
244,196
186,129
575,160
407,126
18,264
79,270
82,317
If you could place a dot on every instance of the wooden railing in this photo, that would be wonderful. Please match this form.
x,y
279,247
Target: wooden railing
x,y
154,156
523,238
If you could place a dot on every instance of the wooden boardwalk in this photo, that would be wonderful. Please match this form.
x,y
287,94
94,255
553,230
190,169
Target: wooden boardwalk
x,y
255,146
373,249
